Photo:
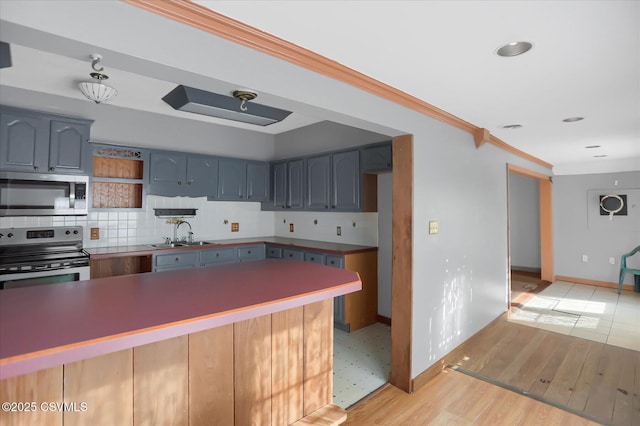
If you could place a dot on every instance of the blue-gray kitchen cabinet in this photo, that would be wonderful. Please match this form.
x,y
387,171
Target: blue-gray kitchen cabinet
x,y
287,185
345,177
232,179
376,158
202,176
257,181
318,193
31,141
167,173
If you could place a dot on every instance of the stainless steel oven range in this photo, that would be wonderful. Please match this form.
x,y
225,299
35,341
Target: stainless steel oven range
x,y
41,256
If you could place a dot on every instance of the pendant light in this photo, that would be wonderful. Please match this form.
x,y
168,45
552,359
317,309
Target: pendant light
x,y
97,91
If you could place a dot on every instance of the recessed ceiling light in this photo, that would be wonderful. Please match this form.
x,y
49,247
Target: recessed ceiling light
x,y
573,119
592,146
514,49
600,156
511,126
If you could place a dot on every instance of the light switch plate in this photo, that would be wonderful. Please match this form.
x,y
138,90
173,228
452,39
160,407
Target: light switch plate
x,y
433,227
235,227
95,233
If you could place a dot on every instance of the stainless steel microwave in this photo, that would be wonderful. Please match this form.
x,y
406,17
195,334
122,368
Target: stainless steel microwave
x,y
42,194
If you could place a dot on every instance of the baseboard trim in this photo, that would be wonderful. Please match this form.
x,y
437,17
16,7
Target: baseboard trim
x,y
526,269
606,284
383,319
452,357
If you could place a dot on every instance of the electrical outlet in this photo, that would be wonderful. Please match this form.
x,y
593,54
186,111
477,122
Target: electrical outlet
x,y
433,227
235,227
339,230
95,233
612,260
585,258
291,227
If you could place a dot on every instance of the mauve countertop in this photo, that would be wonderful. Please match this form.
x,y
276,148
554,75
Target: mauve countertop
x,y
51,325
294,243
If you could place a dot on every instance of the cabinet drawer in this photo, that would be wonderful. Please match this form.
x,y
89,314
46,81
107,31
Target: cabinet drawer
x,y
274,252
335,261
250,253
222,255
292,254
184,260
314,258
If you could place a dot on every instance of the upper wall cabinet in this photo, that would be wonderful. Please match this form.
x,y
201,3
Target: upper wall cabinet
x,y
176,174
287,185
232,179
318,183
345,176
202,176
167,173
257,181
37,142
376,158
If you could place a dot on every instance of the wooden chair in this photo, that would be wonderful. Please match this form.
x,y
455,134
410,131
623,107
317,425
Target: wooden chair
x,y
623,267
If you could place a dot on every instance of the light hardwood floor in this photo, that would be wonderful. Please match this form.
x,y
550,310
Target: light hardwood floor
x,y
601,381
453,398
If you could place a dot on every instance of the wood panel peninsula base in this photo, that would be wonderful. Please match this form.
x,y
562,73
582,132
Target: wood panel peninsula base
x,y
271,369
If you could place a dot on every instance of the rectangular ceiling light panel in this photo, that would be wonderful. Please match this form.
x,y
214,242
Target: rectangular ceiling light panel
x,y
198,101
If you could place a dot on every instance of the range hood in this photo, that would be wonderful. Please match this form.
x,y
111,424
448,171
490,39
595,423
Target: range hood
x,y
198,101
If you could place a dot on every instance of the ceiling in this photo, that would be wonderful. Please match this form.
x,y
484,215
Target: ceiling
x,y
585,62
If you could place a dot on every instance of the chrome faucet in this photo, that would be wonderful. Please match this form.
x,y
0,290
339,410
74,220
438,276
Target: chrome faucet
x,y
175,231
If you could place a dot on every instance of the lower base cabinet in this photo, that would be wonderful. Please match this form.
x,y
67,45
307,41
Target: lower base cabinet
x,y
269,370
355,310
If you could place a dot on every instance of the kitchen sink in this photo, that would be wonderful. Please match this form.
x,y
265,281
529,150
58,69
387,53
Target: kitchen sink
x,y
197,243
169,245
181,244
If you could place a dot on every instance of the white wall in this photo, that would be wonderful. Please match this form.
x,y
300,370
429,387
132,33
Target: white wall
x,y
460,275
524,223
580,230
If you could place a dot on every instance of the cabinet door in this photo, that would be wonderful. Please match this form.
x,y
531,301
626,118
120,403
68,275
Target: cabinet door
x,y
232,179
295,184
257,181
318,182
376,158
185,259
167,174
250,253
279,185
222,255
202,176
335,261
314,258
24,143
67,145
293,254
274,252
345,175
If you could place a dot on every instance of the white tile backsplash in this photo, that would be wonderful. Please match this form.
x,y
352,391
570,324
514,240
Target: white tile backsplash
x,y
365,231
143,227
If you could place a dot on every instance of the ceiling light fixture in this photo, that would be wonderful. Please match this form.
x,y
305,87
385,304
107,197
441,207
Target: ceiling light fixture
x,y
97,91
511,126
573,119
592,146
198,101
514,49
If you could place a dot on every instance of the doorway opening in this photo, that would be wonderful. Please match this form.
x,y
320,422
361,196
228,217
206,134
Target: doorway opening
x,y
530,234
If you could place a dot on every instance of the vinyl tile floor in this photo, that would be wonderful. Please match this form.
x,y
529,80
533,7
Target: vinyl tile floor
x,y
361,363
588,312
